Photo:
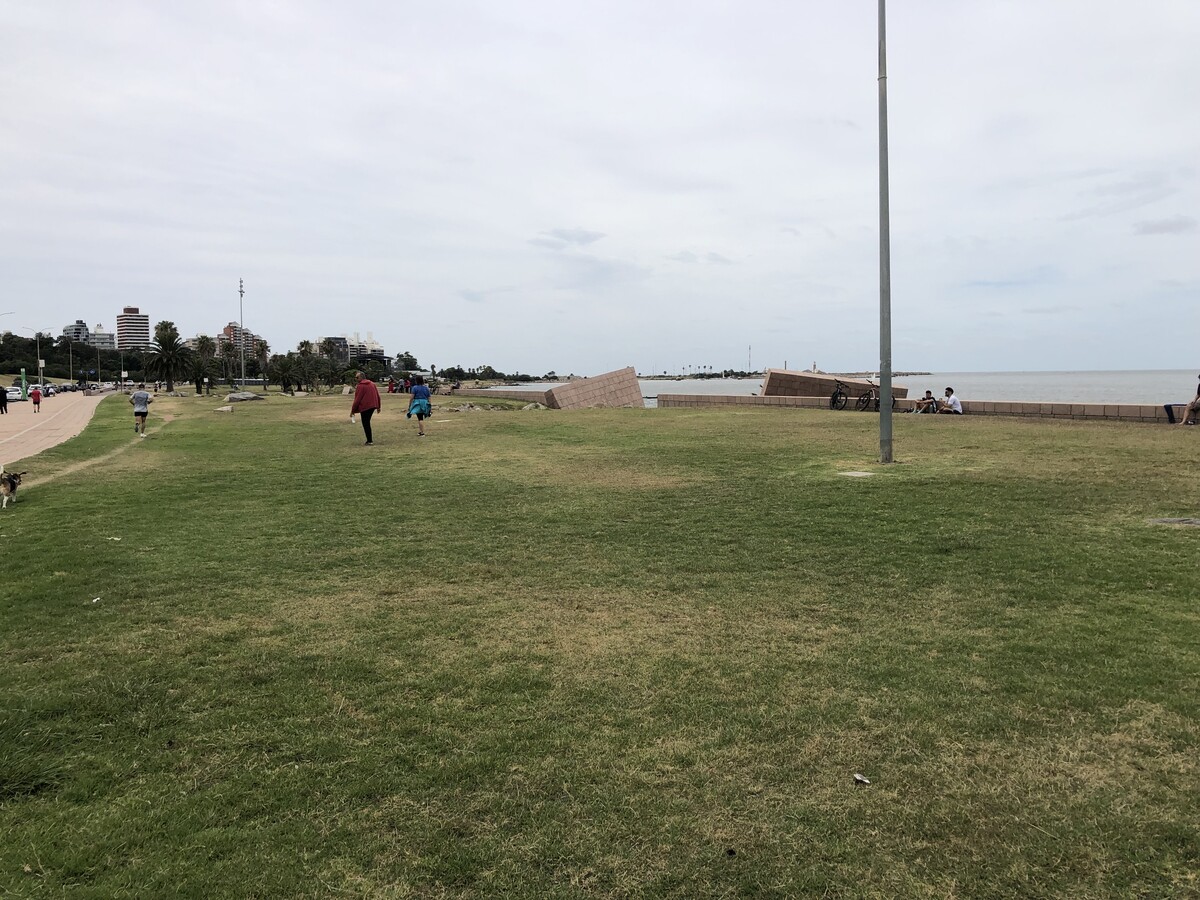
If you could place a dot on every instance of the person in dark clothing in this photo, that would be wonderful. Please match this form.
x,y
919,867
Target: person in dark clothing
x,y
366,403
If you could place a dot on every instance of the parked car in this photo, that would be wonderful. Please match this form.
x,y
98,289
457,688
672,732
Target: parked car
x,y
14,393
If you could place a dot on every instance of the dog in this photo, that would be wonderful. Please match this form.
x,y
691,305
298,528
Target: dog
x,y
9,482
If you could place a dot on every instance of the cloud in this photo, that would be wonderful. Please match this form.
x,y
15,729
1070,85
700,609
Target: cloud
x,y
1056,310
580,237
472,296
423,152
1037,276
1123,196
687,256
1173,225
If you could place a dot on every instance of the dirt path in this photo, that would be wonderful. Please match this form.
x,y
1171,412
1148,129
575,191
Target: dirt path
x,y
26,433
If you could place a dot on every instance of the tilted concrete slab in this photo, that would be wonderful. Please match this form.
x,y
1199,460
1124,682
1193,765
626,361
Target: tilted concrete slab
x,y
619,388
786,383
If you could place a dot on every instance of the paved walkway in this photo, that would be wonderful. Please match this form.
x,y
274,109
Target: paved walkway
x,y
24,433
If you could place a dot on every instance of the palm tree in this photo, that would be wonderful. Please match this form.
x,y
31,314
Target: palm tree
x,y
201,368
202,364
331,373
328,348
283,370
228,353
262,352
168,357
307,370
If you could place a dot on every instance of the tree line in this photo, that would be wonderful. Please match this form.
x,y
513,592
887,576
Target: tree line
x,y
310,366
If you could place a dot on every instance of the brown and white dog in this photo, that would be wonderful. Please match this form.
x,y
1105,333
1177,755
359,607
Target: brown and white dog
x,y
9,482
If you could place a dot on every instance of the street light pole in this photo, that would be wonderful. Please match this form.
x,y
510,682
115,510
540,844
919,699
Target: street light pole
x,y
242,336
885,260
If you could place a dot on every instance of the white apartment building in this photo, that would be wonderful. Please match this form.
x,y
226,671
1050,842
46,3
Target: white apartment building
x,y
133,329
101,339
360,349
79,332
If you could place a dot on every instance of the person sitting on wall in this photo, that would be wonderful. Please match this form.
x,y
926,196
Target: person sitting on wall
x,y
1191,412
951,404
927,404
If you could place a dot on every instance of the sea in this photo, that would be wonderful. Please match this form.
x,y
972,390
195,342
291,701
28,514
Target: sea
x,y
1131,386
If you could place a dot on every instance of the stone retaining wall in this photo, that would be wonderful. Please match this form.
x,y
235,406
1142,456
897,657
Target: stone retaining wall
x,y
619,388
1124,412
527,396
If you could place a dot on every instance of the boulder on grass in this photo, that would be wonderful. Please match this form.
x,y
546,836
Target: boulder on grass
x,y
242,395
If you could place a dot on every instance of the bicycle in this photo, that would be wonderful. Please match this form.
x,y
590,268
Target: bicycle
x,y
841,393
870,397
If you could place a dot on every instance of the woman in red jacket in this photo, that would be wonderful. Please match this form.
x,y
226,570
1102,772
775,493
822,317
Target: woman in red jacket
x,y
366,403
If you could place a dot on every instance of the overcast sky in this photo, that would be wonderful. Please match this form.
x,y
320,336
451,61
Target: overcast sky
x,y
583,186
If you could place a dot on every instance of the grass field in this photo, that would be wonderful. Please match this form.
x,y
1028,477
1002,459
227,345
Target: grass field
x,y
604,653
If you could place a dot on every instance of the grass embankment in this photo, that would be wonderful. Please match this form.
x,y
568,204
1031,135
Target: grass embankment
x,y
600,653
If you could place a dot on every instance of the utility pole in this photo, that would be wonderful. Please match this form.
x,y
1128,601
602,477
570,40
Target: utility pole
x,y
242,326
885,260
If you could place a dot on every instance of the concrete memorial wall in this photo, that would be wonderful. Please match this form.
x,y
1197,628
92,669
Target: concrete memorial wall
x,y
785,383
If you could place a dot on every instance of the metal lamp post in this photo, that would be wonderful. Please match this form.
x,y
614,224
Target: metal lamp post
x,y
37,337
885,260
242,334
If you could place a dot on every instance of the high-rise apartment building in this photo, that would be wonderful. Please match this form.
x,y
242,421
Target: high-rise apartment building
x,y
101,339
79,332
364,349
240,337
133,329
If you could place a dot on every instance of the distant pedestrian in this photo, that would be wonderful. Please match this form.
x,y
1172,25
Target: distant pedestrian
x,y
366,403
36,396
141,401
419,404
3,401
